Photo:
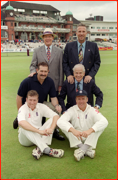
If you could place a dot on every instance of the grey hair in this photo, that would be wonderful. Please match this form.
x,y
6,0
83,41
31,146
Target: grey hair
x,y
79,65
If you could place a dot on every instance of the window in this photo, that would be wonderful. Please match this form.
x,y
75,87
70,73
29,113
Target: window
x,y
92,34
110,27
4,34
103,34
43,12
98,34
11,23
70,18
115,27
98,27
21,10
104,28
34,11
92,27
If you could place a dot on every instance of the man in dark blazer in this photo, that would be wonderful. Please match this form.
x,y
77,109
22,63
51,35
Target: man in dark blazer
x,y
70,90
90,53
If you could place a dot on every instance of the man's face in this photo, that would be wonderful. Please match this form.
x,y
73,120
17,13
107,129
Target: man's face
x,y
48,39
81,101
81,34
78,73
42,72
32,102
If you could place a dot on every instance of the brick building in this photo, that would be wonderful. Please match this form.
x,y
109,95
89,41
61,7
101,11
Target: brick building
x,y
27,21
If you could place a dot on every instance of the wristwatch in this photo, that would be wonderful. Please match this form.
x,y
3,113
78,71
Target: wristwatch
x,y
97,106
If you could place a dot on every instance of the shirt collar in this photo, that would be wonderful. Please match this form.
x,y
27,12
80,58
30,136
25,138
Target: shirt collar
x,y
81,82
30,108
83,44
49,47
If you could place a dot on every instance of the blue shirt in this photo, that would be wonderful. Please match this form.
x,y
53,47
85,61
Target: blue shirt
x,y
83,46
32,83
80,84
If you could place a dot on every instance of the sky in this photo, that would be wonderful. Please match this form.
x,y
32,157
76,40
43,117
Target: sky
x,y
83,9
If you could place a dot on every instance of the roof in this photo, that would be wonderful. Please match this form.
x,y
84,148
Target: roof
x,y
23,5
9,8
75,21
69,13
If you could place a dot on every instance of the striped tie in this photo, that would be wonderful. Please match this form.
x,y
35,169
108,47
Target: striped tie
x,y
80,55
48,53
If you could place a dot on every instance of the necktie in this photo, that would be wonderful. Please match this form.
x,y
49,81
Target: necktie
x,y
80,55
78,87
48,53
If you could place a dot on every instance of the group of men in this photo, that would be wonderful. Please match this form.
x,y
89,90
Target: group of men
x,y
80,121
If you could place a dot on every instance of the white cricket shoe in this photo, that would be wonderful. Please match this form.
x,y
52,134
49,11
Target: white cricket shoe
x,y
36,153
90,152
58,153
78,154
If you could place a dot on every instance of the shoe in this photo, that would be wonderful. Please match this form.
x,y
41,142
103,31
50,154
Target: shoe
x,y
15,123
78,154
56,153
90,152
56,135
36,153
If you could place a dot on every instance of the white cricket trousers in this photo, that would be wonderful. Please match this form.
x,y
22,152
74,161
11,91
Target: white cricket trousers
x,y
29,138
91,140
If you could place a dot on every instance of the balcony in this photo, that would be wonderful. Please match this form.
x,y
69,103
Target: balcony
x,y
40,29
38,19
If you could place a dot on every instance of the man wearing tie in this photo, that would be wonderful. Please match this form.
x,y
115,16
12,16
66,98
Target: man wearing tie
x,y
82,52
70,90
52,55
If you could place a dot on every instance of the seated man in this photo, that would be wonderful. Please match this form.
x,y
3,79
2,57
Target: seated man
x,y
31,130
44,85
69,90
85,126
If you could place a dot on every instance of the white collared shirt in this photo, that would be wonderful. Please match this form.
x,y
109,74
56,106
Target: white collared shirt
x,y
35,117
47,47
82,120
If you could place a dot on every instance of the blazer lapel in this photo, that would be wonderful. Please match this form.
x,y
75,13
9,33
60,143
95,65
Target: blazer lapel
x,y
43,51
86,53
53,54
75,51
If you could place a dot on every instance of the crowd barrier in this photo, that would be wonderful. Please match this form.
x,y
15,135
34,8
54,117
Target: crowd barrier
x,y
105,48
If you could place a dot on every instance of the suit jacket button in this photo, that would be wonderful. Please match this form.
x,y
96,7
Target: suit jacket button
x,y
89,62
88,69
71,62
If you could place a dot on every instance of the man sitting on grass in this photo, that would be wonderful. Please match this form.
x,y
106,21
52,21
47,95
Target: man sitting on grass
x,y
31,130
82,124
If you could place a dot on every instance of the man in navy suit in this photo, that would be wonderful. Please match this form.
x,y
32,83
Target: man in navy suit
x,y
70,90
90,54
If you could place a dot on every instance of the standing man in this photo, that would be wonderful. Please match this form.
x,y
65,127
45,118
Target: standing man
x,y
52,55
83,52
31,130
70,90
43,85
83,125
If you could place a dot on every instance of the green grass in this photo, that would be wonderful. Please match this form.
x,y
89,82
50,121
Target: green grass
x,y
17,161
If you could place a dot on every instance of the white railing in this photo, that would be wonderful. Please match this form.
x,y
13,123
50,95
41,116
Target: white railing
x,y
37,29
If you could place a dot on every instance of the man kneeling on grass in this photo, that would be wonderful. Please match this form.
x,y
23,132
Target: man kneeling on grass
x,y
82,124
31,130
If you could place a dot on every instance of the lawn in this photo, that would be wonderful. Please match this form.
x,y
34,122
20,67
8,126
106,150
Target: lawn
x,y
17,161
